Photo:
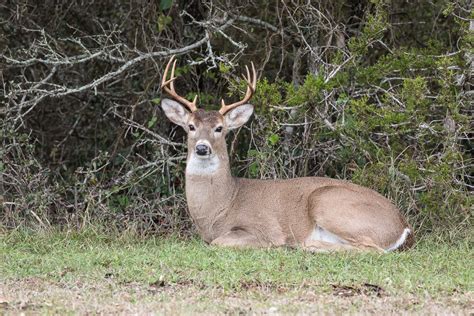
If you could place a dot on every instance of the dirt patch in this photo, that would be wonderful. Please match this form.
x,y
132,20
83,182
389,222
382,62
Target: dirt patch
x,y
35,295
364,289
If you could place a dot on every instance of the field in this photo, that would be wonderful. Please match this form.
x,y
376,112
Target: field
x,y
94,272
94,217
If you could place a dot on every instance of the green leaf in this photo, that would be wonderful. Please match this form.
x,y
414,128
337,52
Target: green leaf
x,y
223,68
156,101
123,200
152,122
253,169
252,153
165,4
163,21
273,139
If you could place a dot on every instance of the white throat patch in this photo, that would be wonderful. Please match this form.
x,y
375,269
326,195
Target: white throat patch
x,y
202,166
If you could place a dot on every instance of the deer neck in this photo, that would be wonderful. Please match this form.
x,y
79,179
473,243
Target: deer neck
x,y
209,190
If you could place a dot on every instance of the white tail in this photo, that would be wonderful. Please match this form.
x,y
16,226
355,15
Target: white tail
x,y
318,214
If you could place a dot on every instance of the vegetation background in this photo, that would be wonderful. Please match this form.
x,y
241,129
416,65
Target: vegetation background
x,y
378,92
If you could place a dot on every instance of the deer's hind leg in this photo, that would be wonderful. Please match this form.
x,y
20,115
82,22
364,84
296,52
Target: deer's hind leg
x,y
238,239
322,240
346,219
325,246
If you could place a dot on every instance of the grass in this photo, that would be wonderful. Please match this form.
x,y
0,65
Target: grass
x,y
431,270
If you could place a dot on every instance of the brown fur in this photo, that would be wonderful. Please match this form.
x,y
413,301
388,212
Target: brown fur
x,y
241,212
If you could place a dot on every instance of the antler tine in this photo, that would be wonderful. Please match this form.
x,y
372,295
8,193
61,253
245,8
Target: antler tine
x,y
163,80
251,87
172,75
254,86
168,86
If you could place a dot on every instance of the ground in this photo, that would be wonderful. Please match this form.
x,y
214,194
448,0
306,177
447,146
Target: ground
x,y
92,272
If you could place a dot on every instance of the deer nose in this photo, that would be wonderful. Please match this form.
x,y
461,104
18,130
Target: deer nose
x,y
203,150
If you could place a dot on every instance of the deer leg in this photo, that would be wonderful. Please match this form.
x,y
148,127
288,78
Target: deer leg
x,y
238,239
352,218
324,246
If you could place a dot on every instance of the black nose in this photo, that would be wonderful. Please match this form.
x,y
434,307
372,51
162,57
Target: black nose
x,y
202,150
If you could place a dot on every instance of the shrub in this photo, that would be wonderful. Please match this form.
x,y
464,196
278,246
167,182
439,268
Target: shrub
x,y
376,92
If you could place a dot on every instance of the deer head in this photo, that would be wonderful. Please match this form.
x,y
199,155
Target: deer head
x,y
206,129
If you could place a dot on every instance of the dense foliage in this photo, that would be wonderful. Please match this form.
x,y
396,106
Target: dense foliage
x,y
378,92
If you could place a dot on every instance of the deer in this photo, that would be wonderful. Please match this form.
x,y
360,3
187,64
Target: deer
x,y
317,214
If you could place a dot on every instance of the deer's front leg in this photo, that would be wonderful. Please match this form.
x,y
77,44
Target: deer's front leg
x,y
238,239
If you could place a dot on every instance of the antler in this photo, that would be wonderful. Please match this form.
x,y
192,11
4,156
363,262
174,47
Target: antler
x,y
168,86
251,86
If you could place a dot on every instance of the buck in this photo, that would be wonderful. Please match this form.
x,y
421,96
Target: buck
x,y
314,213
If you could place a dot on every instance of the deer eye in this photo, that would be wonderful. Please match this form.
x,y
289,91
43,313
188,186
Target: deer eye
x,y
218,129
191,127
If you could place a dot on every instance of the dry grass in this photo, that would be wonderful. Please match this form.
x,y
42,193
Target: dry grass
x,y
36,295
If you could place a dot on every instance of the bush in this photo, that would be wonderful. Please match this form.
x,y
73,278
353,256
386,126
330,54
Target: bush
x,y
375,92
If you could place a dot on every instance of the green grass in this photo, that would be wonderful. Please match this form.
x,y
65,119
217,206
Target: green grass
x,y
432,267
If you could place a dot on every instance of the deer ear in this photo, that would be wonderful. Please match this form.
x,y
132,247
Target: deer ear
x,y
175,112
238,116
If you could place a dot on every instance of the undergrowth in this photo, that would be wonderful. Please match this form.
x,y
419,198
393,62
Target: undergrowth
x,y
382,99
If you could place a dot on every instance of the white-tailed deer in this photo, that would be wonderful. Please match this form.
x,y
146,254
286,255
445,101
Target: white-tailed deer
x,y
314,213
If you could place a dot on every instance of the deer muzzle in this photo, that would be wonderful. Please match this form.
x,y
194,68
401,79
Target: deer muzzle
x,y
203,148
